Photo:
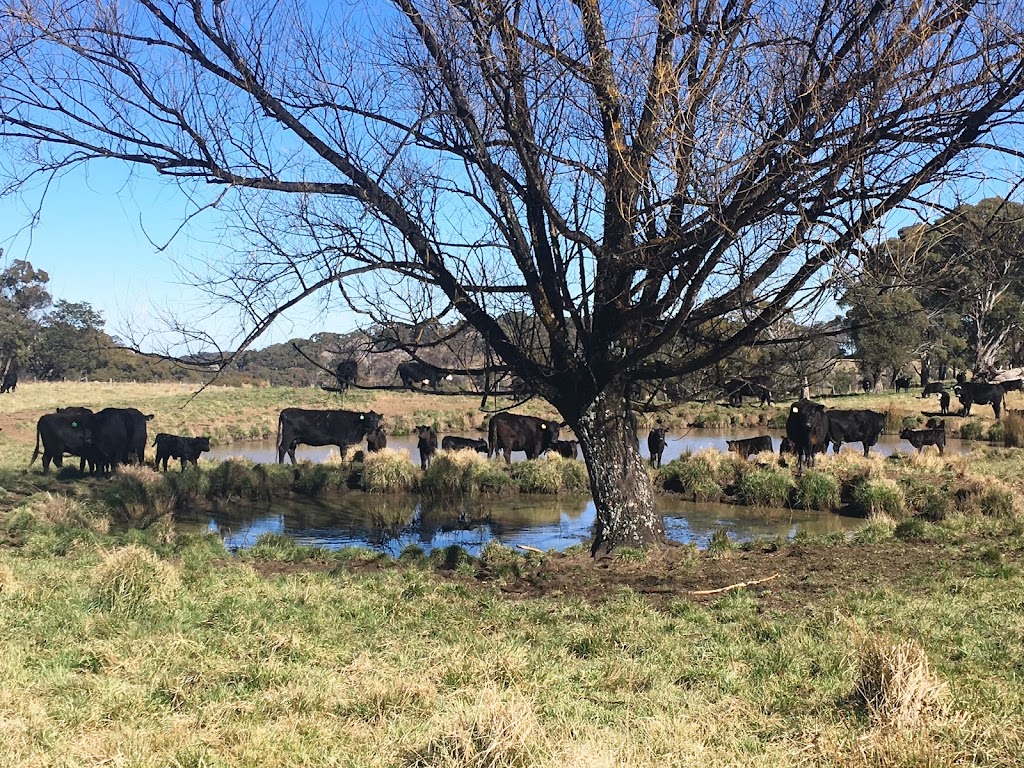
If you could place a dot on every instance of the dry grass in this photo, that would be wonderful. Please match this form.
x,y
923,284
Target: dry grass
x,y
897,686
132,580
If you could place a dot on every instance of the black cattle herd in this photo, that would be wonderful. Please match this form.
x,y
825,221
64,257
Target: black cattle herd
x,y
115,436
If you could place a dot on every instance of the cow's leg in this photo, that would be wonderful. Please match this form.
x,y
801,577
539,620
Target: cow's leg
x,y
508,455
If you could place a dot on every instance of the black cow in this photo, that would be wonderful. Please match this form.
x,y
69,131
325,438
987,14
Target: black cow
x,y
807,427
427,445
856,426
68,431
933,388
118,437
982,393
748,446
934,423
656,444
453,443
786,446
944,403
10,382
919,438
737,389
346,374
568,449
867,384
308,427
413,372
509,432
1014,385
901,382
376,440
187,449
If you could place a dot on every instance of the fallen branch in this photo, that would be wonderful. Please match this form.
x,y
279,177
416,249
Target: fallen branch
x,y
528,548
731,587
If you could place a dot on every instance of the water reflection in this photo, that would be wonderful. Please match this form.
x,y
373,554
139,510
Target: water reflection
x,y
391,523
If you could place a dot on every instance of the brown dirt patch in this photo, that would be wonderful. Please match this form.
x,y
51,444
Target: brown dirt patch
x,y
796,577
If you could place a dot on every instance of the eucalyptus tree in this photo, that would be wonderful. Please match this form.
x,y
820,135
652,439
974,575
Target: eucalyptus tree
x,y
624,174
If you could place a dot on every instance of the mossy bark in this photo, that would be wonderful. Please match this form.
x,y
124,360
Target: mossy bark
x,y
623,493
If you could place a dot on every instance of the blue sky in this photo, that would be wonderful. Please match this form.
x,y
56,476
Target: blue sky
x,y
97,238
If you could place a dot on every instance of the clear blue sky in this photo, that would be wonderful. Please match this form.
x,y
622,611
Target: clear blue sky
x,y
94,239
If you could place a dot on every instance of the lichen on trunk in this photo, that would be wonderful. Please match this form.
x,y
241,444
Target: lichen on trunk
x,y
623,493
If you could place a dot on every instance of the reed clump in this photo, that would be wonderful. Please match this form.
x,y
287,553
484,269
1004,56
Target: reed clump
x,y
389,471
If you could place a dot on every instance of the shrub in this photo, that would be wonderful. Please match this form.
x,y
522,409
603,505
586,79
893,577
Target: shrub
x,y
464,472
996,432
241,479
695,474
132,580
317,479
1013,429
972,430
765,487
389,471
879,496
817,490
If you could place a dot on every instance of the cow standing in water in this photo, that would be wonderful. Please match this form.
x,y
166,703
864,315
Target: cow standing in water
x,y
427,444
656,445
302,426
509,432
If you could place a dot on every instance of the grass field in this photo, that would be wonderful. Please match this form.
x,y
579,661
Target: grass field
x,y
141,647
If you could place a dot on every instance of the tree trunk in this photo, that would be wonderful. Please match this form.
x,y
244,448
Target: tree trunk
x,y
623,493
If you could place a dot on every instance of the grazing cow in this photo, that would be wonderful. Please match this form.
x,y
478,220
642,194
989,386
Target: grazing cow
x,y
919,438
68,431
10,382
856,426
413,372
308,427
944,403
509,432
568,449
346,374
901,382
737,389
187,449
807,427
453,443
787,446
376,440
427,445
982,393
933,388
750,445
656,444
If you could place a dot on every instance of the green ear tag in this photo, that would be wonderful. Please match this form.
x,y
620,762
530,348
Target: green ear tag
x,y
360,417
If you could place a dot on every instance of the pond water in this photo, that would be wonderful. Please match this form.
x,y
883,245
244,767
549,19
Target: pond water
x,y
390,523
679,442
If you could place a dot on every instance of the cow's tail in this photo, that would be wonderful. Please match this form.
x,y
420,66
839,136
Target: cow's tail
x,y
35,453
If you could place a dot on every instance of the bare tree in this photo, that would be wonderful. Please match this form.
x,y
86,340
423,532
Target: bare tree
x,y
621,176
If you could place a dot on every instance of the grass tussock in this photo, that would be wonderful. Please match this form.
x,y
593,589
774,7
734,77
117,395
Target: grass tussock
x,y
454,473
132,580
389,471
497,730
765,487
1013,429
880,496
551,474
698,474
897,687
817,490
59,509
137,496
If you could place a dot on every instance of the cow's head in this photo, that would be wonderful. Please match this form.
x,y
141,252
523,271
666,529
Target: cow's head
x,y
549,432
201,443
370,421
